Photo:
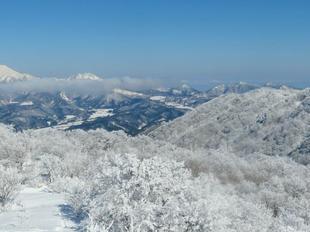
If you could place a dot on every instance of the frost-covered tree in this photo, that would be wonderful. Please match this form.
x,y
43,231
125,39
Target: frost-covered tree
x,y
129,194
158,194
9,185
116,182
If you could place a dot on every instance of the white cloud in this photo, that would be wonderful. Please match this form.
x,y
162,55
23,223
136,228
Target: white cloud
x,y
76,86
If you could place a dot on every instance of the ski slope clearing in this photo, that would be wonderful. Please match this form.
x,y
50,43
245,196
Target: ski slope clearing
x,y
37,210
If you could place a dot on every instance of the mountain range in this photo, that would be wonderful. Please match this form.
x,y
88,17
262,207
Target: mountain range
x,y
131,111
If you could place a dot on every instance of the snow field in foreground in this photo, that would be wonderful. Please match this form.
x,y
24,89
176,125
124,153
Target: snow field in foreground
x,y
37,210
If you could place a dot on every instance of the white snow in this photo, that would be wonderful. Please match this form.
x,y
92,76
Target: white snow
x,y
38,210
158,98
64,96
9,75
99,113
176,105
69,116
26,103
65,125
72,120
68,119
142,125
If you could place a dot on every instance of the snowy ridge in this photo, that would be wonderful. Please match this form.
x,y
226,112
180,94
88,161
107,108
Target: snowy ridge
x,y
64,96
98,113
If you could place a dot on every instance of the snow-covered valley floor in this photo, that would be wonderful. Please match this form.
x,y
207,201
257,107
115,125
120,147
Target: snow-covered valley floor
x,y
37,210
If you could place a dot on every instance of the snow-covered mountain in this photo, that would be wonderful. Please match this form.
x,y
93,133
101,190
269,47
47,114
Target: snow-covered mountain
x,y
266,120
9,75
85,76
241,87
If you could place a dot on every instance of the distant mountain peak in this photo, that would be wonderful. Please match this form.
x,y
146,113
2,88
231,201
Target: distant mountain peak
x,y
240,87
9,75
185,86
183,89
64,96
85,76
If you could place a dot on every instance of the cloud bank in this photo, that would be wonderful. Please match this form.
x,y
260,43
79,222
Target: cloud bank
x,y
74,86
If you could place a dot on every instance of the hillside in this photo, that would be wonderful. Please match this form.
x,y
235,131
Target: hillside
x,y
270,121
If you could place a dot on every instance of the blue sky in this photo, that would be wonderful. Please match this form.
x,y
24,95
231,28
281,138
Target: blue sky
x,y
198,41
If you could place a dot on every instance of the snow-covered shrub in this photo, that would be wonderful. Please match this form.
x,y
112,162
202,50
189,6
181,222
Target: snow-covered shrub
x,y
158,194
79,196
9,185
126,193
13,146
51,167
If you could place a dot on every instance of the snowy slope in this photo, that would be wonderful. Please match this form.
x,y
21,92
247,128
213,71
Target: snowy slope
x,y
271,121
38,210
9,75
